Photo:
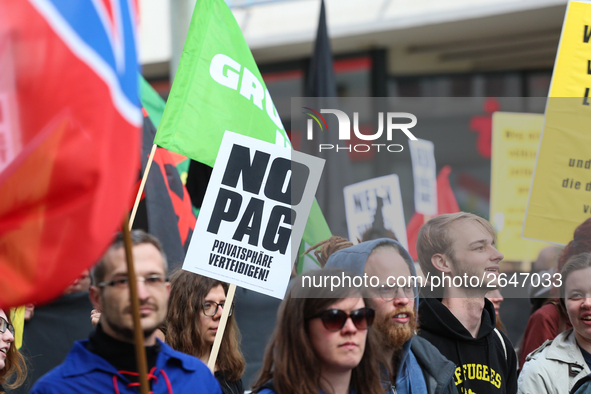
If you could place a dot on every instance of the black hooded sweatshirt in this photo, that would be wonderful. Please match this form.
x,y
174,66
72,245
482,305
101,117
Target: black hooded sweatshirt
x,y
483,365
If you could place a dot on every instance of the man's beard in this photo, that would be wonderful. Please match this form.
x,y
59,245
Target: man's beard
x,y
395,335
128,333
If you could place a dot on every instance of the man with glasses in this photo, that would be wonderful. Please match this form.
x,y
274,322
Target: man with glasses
x,y
415,365
106,362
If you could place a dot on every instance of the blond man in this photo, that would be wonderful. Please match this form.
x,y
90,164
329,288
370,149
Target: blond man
x,y
458,253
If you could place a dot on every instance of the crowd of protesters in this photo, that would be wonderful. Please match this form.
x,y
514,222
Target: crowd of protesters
x,y
381,339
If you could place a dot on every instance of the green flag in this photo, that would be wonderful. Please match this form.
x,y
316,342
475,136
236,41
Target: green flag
x,y
218,87
316,230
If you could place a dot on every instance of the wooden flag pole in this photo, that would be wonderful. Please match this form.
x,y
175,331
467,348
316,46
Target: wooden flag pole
x,y
140,350
142,185
221,328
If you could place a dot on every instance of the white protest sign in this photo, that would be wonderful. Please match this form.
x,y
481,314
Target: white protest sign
x,y
362,201
255,208
424,175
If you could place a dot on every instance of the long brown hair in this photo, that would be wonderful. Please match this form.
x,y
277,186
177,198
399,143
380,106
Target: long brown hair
x,y
185,307
290,359
13,365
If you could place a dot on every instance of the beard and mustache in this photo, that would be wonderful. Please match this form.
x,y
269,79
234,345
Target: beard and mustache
x,y
128,332
395,335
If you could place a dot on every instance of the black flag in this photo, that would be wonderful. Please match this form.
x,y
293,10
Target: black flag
x,y
321,83
165,210
321,80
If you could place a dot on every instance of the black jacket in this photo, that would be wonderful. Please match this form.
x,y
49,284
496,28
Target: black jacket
x,y
484,364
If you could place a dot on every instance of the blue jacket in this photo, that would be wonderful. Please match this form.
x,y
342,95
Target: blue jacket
x,y
414,375
85,372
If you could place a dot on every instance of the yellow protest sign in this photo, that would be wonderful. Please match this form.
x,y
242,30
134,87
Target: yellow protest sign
x,y
515,140
560,196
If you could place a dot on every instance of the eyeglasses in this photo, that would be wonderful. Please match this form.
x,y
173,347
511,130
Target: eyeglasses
x,y
388,293
4,324
154,280
209,309
335,319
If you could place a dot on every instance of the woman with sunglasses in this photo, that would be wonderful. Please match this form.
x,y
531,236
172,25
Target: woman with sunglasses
x,y
194,310
11,361
321,344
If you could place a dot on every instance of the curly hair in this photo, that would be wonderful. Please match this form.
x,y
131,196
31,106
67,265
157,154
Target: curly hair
x,y
185,307
14,365
328,247
290,353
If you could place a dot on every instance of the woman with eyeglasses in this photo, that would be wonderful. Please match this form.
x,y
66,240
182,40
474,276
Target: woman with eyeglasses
x,y
321,344
12,363
195,307
557,365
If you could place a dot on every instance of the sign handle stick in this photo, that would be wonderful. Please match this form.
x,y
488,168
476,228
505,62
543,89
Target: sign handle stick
x,y
221,328
142,185
140,350
426,218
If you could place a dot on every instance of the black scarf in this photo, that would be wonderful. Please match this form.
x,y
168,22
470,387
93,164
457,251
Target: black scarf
x,y
119,354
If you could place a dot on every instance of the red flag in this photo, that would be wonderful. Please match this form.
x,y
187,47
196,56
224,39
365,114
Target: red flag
x,y
482,125
69,119
446,203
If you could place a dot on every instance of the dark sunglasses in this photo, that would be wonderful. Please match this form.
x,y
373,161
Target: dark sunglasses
x,y
335,319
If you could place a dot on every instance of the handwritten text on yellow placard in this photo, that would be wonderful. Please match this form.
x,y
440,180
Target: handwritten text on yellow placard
x,y
560,196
